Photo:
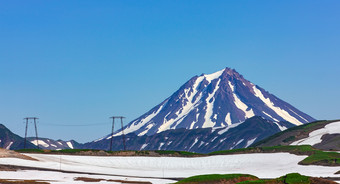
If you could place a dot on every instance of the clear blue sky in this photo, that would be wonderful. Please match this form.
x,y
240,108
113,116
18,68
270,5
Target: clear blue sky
x,y
80,62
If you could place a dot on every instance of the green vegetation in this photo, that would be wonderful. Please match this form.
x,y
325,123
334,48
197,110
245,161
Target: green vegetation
x,y
292,178
83,151
322,158
289,139
297,130
315,156
55,151
215,177
298,150
184,153
30,151
295,178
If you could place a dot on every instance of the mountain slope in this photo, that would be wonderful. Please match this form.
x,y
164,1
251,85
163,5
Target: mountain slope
x,y
215,100
320,134
9,140
200,140
50,144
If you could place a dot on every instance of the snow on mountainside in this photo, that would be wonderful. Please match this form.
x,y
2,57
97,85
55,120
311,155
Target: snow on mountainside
x,y
214,100
200,140
51,144
323,135
10,140
315,137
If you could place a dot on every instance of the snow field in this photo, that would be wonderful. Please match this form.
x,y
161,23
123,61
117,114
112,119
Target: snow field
x,y
264,165
315,136
65,178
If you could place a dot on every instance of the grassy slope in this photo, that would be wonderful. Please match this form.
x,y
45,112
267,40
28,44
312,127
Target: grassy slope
x,y
290,135
215,177
315,156
292,178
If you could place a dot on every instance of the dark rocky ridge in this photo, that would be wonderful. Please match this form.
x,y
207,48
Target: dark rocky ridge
x,y
200,140
9,140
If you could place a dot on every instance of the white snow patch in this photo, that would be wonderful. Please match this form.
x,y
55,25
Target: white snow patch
x,y
263,165
240,105
143,146
222,140
284,114
69,144
250,142
9,145
209,108
282,128
169,143
40,142
270,116
54,177
160,145
147,129
239,142
215,116
298,115
213,76
213,139
224,130
183,112
315,136
137,125
196,140
228,119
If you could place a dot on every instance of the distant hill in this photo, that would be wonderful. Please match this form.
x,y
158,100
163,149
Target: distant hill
x,y
50,144
323,135
200,140
9,140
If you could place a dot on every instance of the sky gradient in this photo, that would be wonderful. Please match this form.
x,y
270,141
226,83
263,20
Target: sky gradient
x,y
80,62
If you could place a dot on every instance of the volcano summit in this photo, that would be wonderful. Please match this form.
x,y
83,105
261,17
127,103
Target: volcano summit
x,y
219,99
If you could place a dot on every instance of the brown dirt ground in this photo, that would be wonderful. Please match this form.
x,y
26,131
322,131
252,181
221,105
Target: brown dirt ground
x,y
86,179
4,153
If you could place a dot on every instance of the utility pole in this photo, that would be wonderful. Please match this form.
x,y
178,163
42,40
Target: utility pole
x,y
123,136
35,127
121,120
26,132
113,127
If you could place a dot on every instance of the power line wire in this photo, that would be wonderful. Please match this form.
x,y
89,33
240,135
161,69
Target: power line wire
x,y
56,124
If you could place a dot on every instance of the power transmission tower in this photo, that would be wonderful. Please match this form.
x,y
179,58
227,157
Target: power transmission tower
x,y
123,136
113,127
35,127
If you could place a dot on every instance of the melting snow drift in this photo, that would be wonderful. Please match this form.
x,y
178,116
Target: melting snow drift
x,y
154,169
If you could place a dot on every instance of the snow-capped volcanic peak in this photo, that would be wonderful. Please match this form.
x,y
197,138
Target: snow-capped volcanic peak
x,y
215,100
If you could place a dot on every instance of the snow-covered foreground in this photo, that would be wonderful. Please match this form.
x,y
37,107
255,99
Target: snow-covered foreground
x,y
263,165
65,178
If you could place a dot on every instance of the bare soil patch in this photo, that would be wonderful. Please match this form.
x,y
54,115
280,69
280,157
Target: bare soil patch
x,y
4,153
2,181
86,179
